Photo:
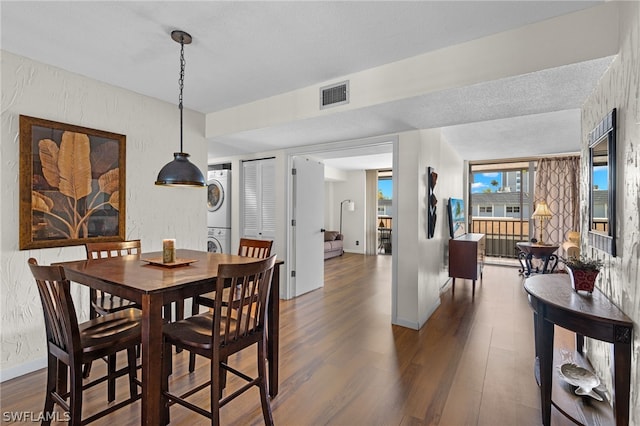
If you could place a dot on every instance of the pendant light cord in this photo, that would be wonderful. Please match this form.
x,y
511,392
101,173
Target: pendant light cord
x,y
181,85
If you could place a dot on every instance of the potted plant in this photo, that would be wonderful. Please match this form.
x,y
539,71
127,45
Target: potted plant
x,y
583,272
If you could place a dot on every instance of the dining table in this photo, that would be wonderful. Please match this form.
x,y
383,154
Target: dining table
x,y
144,279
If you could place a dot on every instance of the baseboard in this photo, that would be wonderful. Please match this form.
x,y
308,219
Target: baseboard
x,y
22,369
405,323
353,251
416,325
428,314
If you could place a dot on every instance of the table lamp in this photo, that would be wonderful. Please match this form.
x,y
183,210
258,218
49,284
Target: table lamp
x,y
542,212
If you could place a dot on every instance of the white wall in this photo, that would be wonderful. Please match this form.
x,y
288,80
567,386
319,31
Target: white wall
x,y
421,262
328,206
353,227
152,212
620,278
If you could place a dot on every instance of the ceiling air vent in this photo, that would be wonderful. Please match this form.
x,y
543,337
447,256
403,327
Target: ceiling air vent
x,y
334,95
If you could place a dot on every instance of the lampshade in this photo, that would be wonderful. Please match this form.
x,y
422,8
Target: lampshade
x,y
542,210
180,171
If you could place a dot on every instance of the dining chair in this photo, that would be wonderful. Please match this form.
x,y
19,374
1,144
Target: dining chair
x,y
104,303
260,249
72,345
238,321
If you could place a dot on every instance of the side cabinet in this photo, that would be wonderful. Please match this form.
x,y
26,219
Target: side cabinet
x,y
466,258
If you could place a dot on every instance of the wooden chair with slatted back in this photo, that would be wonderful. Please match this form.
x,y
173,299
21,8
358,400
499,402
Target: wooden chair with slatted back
x,y
71,345
236,323
259,249
104,303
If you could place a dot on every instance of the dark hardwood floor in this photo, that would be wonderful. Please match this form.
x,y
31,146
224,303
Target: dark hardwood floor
x,y
343,363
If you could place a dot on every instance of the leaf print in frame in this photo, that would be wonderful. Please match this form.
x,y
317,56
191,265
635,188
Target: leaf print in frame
x,y
72,184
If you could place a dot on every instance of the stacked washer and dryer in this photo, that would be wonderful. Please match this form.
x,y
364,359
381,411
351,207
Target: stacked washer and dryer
x,y
219,211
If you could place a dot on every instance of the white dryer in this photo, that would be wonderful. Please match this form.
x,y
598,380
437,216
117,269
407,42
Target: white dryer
x,y
219,199
219,240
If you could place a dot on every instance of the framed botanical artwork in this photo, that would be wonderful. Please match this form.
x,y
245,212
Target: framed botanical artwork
x,y
72,184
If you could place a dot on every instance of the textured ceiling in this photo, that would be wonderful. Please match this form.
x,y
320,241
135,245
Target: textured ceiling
x,y
244,51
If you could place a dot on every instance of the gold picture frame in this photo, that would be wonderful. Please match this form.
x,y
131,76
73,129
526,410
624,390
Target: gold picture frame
x,y
72,184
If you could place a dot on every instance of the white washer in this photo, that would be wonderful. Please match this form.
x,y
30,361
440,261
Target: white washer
x,y
219,240
219,199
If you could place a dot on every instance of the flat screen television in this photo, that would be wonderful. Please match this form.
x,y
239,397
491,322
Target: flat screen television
x,y
457,223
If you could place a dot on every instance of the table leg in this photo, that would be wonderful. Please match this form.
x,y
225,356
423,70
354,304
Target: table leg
x,y
529,264
622,380
545,264
521,258
544,334
273,332
151,359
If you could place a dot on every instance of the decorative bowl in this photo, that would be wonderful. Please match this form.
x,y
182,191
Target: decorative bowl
x,y
584,379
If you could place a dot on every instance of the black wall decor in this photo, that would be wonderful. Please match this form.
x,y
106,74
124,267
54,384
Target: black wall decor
x,y
432,201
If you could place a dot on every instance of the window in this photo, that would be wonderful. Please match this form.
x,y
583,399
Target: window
x,y
501,204
385,202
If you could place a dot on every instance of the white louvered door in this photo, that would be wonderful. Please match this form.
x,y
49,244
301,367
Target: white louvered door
x,y
258,198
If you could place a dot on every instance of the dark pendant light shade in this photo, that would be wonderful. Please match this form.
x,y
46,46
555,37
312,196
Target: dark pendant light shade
x,y
181,171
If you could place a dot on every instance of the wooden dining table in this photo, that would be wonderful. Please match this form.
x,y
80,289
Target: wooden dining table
x,y
152,285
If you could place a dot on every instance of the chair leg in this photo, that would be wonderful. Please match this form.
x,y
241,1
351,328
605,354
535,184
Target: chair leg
x,y
131,359
75,399
164,401
61,379
192,362
111,382
195,310
216,388
52,377
264,392
179,315
86,370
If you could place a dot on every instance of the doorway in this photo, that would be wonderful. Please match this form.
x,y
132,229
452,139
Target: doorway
x,y
384,217
343,157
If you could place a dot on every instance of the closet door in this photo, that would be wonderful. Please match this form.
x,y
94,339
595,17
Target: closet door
x,y
268,199
258,198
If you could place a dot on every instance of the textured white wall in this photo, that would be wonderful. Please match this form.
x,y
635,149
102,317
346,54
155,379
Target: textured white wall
x,y
620,280
422,268
153,213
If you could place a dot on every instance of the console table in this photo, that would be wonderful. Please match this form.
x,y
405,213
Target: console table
x,y
554,302
540,251
466,258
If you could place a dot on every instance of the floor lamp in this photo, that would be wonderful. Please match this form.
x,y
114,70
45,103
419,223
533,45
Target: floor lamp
x,y
351,206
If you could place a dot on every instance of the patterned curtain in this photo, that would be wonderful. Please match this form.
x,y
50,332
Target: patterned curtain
x,y
558,183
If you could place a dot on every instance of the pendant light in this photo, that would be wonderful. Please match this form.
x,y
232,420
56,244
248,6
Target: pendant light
x,y
180,171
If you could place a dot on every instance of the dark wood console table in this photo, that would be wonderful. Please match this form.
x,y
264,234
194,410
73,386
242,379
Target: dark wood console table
x,y
554,302
545,252
466,258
